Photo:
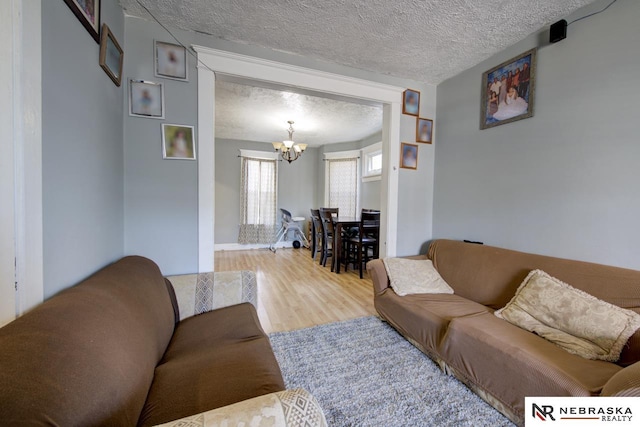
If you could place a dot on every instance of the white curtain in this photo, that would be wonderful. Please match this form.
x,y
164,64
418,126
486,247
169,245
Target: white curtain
x,y
258,201
343,186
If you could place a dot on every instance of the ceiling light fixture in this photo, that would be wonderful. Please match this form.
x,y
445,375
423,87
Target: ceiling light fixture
x,y
289,150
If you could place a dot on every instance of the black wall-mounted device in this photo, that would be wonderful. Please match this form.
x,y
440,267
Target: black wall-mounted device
x,y
558,31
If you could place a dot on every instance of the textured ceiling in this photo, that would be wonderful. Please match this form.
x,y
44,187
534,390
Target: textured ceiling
x,y
261,114
423,40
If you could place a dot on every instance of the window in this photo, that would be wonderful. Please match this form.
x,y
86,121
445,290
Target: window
x,y
258,198
372,162
342,189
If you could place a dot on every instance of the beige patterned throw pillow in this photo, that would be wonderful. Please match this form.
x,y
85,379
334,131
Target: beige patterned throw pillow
x,y
415,276
575,320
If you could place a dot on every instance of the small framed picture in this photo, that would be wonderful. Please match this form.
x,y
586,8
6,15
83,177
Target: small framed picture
x,y
146,99
171,61
178,142
411,102
88,13
424,130
111,55
408,156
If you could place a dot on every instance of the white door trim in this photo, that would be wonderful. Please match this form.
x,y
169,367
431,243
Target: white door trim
x,y
212,61
21,194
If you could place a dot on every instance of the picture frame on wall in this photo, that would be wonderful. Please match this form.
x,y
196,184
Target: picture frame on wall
x,y
408,156
111,55
171,61
508,91
146,99
88,13
178,142
424,130
411,102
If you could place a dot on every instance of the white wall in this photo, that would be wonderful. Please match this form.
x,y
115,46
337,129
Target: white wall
x,y
565,182
82,159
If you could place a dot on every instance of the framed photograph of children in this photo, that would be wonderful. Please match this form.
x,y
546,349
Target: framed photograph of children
x,y
88,13
508,91
178,142
146,99
111,55
171,61
411,102
408,156
424,130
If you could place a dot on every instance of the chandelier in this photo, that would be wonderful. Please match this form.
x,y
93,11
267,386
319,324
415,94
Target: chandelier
x,y
289,150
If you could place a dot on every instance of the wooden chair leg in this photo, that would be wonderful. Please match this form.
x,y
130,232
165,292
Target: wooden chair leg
x,y
313,241
360,260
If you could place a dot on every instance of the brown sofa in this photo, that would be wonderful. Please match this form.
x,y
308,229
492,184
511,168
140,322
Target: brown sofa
x,y
112,351
499,361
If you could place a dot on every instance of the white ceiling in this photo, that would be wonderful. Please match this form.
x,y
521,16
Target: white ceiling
x,y
422,40
261,114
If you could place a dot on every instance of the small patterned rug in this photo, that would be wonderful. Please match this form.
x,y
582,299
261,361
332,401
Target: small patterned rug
x,y
363,373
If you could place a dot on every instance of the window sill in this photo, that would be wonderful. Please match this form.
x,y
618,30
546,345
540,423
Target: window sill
x,y
372,178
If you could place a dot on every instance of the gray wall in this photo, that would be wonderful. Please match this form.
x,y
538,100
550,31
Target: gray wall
x,y
565,182
415,195
82,159
161,196
296,185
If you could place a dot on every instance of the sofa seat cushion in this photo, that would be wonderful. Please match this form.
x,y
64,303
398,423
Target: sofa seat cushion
x,y
511,363
214,359
424,317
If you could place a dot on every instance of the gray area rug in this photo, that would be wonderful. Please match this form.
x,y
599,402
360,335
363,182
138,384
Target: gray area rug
x,y
363,373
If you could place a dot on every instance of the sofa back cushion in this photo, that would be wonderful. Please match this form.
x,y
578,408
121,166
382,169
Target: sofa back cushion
x,y
491,276
87,355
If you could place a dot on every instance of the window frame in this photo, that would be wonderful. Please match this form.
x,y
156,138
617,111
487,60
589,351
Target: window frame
x,y
367,154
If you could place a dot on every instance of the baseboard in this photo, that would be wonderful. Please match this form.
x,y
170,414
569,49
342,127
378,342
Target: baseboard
x,y
240,247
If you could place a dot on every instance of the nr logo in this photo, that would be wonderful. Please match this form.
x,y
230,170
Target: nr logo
x,y
543,412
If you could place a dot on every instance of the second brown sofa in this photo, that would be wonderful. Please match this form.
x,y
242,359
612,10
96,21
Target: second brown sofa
x,y
502,362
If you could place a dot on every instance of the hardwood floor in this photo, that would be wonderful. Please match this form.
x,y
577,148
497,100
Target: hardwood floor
x,y
295,292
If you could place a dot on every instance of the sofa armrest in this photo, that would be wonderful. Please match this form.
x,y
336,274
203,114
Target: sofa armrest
x,y
625,382
199,293
378,275
281,409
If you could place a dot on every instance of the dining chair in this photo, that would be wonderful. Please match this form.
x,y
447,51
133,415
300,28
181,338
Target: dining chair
x,y
368,237
326,216
316,233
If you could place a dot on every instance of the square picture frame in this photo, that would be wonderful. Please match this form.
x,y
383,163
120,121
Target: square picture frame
x,y
424,130
146,99
411,102
178,142
508,91
88,13
171,61
111,55
408,156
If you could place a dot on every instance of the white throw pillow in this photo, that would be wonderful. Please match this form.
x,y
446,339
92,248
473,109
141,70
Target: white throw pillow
x,y
415,276
570,318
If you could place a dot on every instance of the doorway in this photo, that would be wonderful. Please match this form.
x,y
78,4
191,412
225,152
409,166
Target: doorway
x,y
215,62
